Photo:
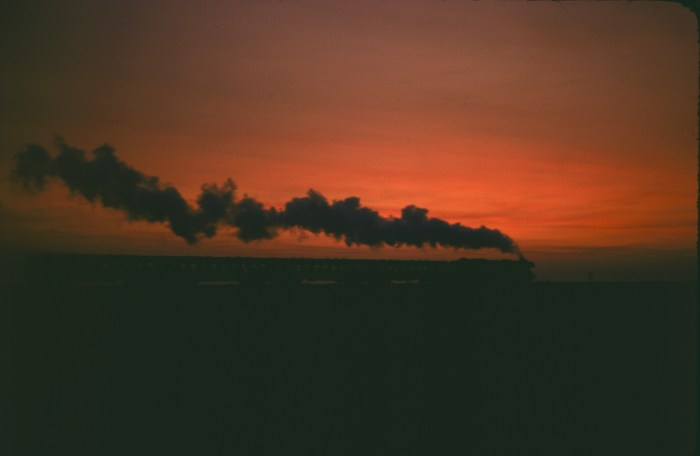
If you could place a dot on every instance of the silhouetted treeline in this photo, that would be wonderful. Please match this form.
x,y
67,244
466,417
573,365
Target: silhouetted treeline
x,y
183,270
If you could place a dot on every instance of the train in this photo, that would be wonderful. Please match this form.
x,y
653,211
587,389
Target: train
x,y
198,270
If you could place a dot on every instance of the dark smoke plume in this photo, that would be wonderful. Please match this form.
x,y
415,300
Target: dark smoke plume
x,y
107,180
114,184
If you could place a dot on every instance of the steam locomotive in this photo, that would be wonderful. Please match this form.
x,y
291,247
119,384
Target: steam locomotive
x,y
143,270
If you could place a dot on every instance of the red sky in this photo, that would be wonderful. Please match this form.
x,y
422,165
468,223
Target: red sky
x,y
569,126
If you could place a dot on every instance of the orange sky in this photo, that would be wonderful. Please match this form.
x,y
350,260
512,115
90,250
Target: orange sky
x,y
571,126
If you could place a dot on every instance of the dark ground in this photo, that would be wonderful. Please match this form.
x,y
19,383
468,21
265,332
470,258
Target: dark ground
x,y
545,369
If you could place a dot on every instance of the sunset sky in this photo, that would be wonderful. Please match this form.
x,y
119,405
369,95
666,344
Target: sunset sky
x,y
569,126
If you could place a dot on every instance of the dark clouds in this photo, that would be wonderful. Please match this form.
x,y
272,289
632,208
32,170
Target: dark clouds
x,y
107,180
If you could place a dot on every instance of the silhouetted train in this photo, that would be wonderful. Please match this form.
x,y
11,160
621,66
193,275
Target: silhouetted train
x,y
135,270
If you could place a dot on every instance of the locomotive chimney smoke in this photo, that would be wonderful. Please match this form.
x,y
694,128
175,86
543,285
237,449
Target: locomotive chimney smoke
x,y
114,184
359,225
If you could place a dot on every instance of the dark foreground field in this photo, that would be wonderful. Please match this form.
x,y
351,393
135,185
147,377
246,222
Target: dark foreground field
x,y
545,369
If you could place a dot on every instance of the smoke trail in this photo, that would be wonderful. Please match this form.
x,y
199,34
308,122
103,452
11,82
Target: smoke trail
x,y
114,184
358,225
